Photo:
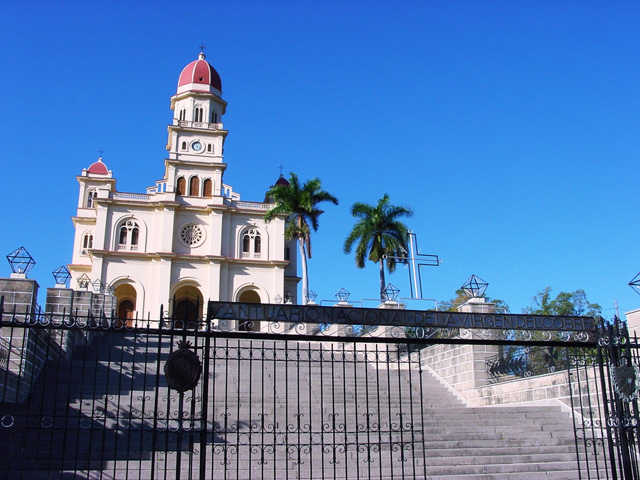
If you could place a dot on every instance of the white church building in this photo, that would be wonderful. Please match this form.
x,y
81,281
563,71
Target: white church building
x,y
189,238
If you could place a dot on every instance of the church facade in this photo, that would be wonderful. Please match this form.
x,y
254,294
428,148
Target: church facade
x,y
189,238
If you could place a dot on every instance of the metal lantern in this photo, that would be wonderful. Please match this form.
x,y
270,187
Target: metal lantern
x,y
84,281
390,293
635,283
62,275
97,285
20,261
475,287
342,295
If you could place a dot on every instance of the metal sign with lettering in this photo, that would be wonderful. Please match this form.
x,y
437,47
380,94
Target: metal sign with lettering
x,y
315,314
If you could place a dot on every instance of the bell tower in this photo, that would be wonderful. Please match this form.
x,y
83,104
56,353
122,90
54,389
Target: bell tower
x,y
196,135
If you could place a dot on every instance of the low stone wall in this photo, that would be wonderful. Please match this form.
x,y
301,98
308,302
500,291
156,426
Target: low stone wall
x,y
24,350
541,389
461,366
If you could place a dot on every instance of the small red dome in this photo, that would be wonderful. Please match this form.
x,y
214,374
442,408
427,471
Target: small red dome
x,y
199,71
282,181
98,168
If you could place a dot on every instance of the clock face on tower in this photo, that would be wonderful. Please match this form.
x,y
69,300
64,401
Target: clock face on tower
x,y
196,146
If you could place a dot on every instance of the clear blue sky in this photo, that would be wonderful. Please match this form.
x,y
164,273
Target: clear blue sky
x,y
511,128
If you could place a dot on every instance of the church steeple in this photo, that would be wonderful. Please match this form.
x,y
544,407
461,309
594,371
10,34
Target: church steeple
x,y
196,135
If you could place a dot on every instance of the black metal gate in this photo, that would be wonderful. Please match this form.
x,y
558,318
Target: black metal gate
x,y
86,397
604,394
89,397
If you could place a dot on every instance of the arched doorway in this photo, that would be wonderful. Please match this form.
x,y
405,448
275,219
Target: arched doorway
x,y
126,297
187,310
249,296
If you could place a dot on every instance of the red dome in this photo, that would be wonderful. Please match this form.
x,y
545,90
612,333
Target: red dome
x,y
282,181
199,71
98,168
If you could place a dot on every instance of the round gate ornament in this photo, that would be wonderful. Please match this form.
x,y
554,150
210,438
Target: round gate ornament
x,y
626,382
183,368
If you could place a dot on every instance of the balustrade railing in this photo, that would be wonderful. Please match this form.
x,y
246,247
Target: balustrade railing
x,y
141,197
190,124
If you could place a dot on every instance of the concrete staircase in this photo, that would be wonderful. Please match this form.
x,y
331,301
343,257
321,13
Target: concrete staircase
x,y
273,410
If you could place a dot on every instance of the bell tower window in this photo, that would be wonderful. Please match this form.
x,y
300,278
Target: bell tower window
x,y
214,117
87,243
90,196
183,115
198,114
209,149
184,145
194,186
207,188
181,187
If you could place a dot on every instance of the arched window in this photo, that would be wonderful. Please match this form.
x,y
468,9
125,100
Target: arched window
x,y
214,117
209,149
183,114
90,196
124,233
129,236
207,188
251,244
198,114
87,243
181,188
194,186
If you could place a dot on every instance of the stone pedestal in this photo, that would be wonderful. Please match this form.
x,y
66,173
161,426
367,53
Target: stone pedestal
x,y
462,366
20,295
23,351
477,305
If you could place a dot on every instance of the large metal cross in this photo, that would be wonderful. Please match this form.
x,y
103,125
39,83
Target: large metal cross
x,y
416,261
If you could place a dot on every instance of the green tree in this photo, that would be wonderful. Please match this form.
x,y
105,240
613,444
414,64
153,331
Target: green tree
x,y
461,297
299,202
565,303
545,359
379,234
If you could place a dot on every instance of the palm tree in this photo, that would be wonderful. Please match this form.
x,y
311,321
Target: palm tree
x,y
300,204
379,235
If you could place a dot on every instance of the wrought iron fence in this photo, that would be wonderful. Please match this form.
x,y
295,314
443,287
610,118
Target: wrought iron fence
x,y
98,404
92,396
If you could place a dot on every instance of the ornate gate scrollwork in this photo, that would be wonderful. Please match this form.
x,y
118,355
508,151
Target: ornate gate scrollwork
x,y
620,381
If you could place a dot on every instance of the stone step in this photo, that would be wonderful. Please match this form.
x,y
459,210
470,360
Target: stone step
x,y
500,468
